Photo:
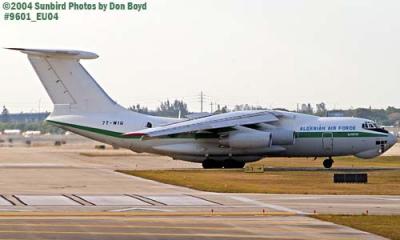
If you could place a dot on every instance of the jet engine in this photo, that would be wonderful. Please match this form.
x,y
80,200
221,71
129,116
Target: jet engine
x,y
253,139
282,137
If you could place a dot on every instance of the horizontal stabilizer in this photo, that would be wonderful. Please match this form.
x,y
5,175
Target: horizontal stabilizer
x,y
56,53
69,85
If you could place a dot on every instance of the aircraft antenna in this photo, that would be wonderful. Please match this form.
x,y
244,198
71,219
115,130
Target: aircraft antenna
x,y
201,101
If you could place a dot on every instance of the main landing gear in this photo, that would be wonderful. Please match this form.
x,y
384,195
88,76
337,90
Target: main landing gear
x,y
233,164
210,163
328,162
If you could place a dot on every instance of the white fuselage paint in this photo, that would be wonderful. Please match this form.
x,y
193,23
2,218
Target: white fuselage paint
x,y
83,107
315,137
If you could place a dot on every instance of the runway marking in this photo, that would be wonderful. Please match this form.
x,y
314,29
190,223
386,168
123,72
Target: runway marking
x,y
147,199
297,198
47,200
184,235
388,199
143,199
13,210
261,204
155,218
7,201
97,215
72,199
285,223
158,219
32,165
113,200
117,226
19,200
205,199
143,209
84,200
181,200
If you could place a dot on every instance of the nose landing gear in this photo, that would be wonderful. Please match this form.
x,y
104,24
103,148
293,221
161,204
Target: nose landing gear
x,y
328,162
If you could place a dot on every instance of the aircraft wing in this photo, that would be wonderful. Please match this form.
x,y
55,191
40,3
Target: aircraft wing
x,y
223,120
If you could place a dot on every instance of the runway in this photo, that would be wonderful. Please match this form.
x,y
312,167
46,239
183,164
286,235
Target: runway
x,y
123,227
47,193
203,203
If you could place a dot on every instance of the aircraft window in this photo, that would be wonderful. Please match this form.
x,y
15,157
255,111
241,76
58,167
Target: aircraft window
x,y
381,142
369,125
149,125
374,127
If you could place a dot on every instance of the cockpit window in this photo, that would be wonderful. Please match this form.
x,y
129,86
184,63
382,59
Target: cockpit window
x,y
369,125
373,127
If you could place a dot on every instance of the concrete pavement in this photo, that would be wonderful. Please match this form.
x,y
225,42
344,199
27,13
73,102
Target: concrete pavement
x,y
48,192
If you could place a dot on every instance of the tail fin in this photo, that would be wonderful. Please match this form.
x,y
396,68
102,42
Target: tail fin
x,y
69,85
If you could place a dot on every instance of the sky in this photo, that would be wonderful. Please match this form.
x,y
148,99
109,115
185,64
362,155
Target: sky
x,y
261,52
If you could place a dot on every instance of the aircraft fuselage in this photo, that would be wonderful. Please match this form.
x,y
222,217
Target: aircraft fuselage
x,y
313,137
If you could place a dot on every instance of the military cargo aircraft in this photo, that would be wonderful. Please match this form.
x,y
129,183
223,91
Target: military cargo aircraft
x,y
226,140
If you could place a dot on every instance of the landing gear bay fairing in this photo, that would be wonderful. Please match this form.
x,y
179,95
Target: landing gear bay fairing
x,y
227,140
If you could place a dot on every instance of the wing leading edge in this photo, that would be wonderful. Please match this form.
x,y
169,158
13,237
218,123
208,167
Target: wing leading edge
x,y
224,120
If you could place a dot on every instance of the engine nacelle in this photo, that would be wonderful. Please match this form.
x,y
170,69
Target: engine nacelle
x,y
253,139
282,137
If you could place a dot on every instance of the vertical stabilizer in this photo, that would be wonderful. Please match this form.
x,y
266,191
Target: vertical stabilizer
x,y
69,85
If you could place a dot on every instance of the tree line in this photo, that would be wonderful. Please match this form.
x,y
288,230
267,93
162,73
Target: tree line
x,y
388,117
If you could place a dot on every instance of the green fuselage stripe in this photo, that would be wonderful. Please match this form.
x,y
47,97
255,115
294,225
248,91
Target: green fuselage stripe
x,y
93,130
337,134
214,135
120,135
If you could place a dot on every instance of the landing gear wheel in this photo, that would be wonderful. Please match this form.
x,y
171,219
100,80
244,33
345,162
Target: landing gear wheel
x,y
328,163
233,164
210,163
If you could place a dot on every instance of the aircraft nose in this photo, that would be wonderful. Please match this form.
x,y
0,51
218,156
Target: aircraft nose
x,y
392,139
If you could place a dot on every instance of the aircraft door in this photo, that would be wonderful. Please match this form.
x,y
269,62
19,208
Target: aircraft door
x,y
327,142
